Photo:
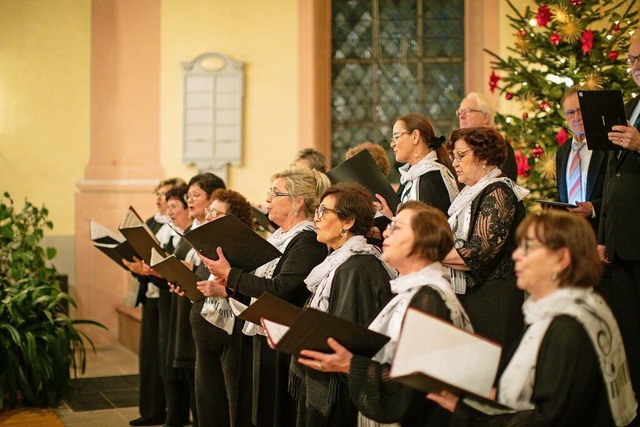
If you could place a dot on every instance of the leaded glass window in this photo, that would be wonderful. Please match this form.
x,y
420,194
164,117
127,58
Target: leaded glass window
x,y
393,57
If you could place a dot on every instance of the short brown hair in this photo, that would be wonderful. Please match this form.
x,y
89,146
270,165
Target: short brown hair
x,y
353,201
239,206
378,153
557,229
433,238
487,144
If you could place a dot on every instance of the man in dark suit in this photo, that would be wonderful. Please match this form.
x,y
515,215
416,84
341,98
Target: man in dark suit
x,y
589,167
619,231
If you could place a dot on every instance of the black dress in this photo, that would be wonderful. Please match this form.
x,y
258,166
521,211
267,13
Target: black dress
x,y
431,190
264,372
360,289
492,300
386,401
568,388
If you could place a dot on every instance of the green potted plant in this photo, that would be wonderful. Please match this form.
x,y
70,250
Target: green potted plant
x,y
39,343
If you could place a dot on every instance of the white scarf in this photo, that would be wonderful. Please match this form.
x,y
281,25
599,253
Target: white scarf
x,y
389,320
218,312
410,177
320,280
588,308
460,216
280,239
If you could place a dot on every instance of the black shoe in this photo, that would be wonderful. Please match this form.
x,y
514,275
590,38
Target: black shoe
x,y
145,422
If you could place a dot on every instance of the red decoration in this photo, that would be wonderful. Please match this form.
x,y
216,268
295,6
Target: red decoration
x,y
525,115
576,2
493,81
613,55
522,163
509,96
587,41
555,39
537,151
616,28
522,32
545,106
543,16
562,136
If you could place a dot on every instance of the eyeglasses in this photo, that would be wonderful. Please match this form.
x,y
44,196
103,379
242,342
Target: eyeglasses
x,y
527,244
174,207
214,213
466,111
397,135
570,114
321,210
460,154
393,225
191,196
273,194
631,59
159,193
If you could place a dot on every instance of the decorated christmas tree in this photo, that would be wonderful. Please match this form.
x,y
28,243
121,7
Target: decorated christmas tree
x,y
556,45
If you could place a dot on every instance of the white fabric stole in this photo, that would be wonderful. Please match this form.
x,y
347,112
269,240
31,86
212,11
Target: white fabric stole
x,y
389,320
410,177
280,239
460,216
517,381
320,280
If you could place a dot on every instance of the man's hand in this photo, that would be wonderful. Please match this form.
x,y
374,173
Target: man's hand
x,y
584,209
627,137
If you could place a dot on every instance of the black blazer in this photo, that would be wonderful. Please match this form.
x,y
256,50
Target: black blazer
x,y
596,175
620,219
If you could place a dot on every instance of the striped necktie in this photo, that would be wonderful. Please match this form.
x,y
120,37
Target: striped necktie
x,y
575,174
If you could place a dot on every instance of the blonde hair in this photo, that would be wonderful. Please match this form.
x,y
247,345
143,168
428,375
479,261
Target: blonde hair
x,y
306,183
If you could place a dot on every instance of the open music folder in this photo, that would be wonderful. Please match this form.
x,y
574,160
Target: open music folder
x,y
112,244
433,355
242,247
174,271
139,235
291,329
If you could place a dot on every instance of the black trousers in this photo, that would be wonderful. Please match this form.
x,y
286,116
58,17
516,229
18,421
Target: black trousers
x,y
622,293
152,402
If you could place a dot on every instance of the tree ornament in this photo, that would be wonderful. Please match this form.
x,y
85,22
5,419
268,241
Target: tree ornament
x,y
587,41
545,106
543,16
508,96
522,32
493,81
555,39
525,115
522,163
537,151
560,13
613,55
571,29
592,81
616,28
576,2
562,136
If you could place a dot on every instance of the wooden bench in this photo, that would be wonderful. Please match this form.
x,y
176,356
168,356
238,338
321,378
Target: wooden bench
x,y
129,319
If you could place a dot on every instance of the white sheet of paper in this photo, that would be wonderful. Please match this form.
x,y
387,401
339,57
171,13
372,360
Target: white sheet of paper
x,y
275,331
439,350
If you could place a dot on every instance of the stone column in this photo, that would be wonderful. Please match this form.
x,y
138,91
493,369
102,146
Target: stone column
x,y
124,164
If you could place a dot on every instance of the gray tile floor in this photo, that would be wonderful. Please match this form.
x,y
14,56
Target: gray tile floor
x,y
113,360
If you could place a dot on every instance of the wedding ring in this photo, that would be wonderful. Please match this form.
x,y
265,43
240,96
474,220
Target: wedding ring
x,y
379,208
320,367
